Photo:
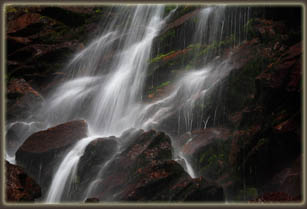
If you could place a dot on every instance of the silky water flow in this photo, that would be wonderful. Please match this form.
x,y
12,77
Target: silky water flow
x,y
109,98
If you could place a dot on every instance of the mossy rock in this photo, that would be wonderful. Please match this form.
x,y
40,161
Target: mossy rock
x,y
212,160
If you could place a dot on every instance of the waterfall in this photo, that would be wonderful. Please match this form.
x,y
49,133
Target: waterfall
x,y
66,170
106,82
118,97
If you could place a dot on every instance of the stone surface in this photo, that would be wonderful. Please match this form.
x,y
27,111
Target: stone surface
x,y
19,186
144,171
21,99
54,138
96,154
41,151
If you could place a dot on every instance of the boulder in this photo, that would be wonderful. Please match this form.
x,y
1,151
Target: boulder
x,y
143,171
96,154
17,132
42,150
201,138
167,181
19,186
207,151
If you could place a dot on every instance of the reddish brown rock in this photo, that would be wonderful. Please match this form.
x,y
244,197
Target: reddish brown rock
x,y
181,20
20,86
276,197
144,171
167,181
54,138
267,29
277,75
95,154
21,99
288,180
22,22
19,186
201,138
39,154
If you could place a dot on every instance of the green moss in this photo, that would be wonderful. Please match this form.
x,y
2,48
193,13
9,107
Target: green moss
x,y
213,159
98,11
194,46
155,88
11,9
168,9
216,45
163,84
160,57
168,35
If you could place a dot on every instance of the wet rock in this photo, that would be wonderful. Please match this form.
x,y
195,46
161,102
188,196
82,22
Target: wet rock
x,y
181,20
41,39
167,181
21,99
17,132
55,138
67,16
208,150
22,22
19,186
288,180
14,43
149,173
277,75
201,138
96,154
276,197
267,29
40,152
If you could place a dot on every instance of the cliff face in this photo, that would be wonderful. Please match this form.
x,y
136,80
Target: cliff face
x,y
253,147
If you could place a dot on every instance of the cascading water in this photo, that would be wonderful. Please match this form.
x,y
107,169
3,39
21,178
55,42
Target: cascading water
x,y
67,169
107,80
116,104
